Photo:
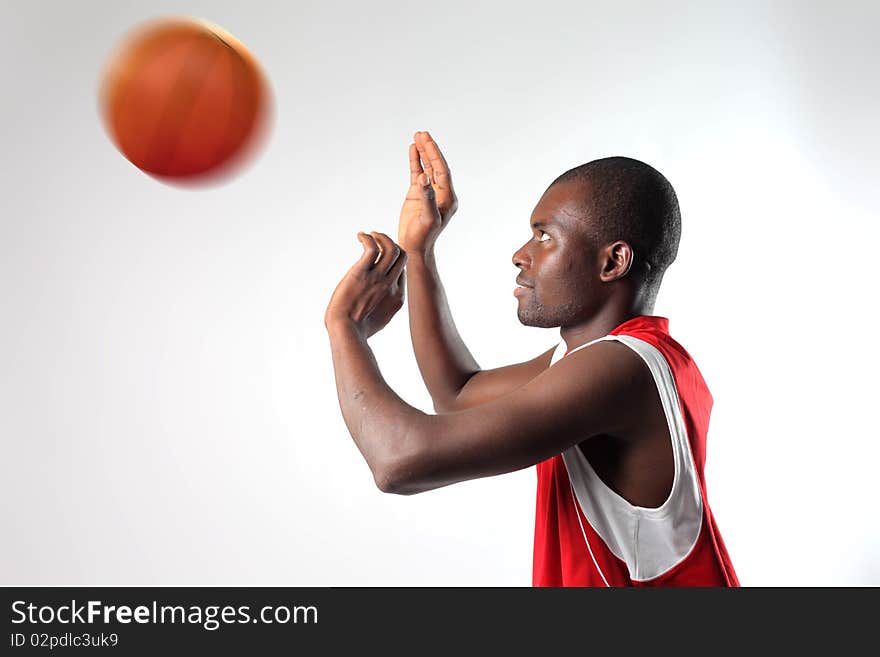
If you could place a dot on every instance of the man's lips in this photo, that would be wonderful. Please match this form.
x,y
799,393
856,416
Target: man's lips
x,y
523,287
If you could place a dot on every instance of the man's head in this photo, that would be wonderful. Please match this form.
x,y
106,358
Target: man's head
x,y
607,228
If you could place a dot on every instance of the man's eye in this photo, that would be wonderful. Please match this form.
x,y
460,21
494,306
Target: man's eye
x,y
543,236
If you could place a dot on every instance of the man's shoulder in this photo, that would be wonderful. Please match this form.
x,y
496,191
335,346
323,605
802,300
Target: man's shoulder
x,y
611,358
613,370
608,365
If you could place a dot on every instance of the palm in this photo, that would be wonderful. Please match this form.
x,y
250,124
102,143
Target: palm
x,y
418,228
410,231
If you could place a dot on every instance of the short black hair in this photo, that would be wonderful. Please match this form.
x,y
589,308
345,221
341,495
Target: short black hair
x,y
631,201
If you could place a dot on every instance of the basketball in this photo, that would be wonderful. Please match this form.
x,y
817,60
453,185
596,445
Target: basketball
x,y
183,99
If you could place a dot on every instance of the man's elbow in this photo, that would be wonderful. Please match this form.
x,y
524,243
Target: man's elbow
x,y
384,480
401,474
392,486
395,481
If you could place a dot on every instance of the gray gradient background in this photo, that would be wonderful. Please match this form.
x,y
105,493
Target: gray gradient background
x,y
167,407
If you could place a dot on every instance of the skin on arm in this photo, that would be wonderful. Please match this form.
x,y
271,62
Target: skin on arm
x,y
602,390
595,391
366,299
451,374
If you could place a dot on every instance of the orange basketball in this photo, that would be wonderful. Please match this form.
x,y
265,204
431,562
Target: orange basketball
x,y
183,98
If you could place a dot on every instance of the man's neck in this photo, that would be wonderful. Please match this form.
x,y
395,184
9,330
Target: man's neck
x,y
599,325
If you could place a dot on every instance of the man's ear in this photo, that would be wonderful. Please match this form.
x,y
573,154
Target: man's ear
x,y
617,261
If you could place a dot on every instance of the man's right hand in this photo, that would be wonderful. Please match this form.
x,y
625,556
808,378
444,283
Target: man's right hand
x,y
427,207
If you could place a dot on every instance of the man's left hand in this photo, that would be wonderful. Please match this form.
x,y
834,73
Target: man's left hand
x,y
372,291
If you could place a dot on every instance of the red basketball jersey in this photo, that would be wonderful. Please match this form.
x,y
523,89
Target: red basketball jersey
x,y
588,535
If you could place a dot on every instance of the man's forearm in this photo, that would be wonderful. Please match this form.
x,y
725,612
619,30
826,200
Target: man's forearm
x,y
443,358
385,429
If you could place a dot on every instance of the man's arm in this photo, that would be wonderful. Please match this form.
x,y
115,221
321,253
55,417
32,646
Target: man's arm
x,y
593,391
444,360
451,374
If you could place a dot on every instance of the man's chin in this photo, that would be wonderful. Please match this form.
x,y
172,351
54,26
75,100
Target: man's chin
x,y
531,319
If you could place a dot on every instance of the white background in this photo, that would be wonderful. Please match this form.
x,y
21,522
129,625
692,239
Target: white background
x,y
167,407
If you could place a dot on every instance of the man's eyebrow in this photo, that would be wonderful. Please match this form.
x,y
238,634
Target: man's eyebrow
x,y
547,221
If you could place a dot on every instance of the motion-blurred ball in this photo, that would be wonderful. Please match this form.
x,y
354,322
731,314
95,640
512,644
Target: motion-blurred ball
x,y
182,99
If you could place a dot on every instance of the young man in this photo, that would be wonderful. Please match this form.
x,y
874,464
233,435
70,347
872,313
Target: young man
x,y
615,417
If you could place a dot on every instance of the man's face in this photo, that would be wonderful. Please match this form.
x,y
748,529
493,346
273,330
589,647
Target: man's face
x,y
559,264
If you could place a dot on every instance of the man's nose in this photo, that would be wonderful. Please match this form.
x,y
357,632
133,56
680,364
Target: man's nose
x,y
521,258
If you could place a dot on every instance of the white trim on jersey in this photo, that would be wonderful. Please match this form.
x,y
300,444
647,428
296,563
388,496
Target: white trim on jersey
x,y
584,533
650,541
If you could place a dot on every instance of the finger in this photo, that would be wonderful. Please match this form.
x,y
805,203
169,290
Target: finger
x,y
396,271
415,164
442,177
427,165
370,254
429,197
390,252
